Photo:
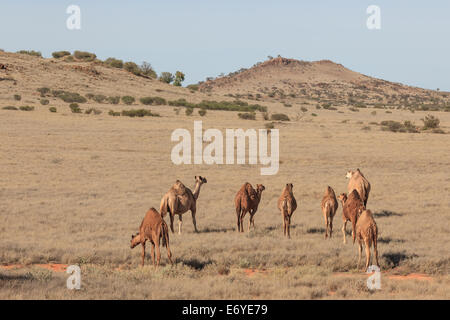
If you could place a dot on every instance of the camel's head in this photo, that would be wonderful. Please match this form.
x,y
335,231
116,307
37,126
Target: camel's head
x,y
289,186
200,179
349,174
343,197
135,240
260,188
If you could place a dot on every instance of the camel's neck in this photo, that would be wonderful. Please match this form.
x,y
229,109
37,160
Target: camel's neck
x,y
197,190
258,195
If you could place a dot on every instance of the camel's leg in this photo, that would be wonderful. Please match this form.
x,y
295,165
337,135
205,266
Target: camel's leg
x,y
158,253
171,221
194,221
238,215
367,243
284,223
180,222
375,251
330,222
153,254
326,225
244,212
251,221
143,253
359,253
343,230
289,226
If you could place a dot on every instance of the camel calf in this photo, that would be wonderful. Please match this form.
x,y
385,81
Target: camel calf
x,y
287,206
152,228
367,232
352,207
329,207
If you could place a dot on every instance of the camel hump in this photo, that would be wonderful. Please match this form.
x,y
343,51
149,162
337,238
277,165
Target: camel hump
x,y
179,188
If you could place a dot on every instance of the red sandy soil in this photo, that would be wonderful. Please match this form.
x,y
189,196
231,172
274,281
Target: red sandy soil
x,y
252,272
57,267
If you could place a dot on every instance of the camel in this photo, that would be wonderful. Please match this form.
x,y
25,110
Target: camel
x,y
359,183
179,199
247,200
367,232
152,228
329,207
287,206
352,207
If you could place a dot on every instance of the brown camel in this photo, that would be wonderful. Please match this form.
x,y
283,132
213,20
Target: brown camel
x,y
247,200
287,206
367,232
329,207
152,228
359,183
179,199
352,207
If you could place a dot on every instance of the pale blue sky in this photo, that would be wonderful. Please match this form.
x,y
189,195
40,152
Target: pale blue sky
x,y
206,37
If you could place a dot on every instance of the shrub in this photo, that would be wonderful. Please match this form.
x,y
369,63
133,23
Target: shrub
x,y
222,105
279,117
189,111
85,56
114,100
113,113
60,54
52,109
287,105
99,98
115,63
93,110
147,70
353,109
132,67
26,108
44,102
139,113
9,108
395,126
179,78
193,87
430,122
17,97
269,125
202,112
366,128
304,109
438,130
69,96
75,108
128,100
247,116
153,101
69,59
43,91
314,114
166,77
31,53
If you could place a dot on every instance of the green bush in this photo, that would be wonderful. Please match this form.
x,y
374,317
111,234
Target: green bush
x,y
115,63
52,109
153,101
166,77
26,108
114,100
304,109
179,78
60,54
395,126
113,113
132,67
44,102
93,110
139,113
31,53
128,100
10,108
75,108
430,122
247,116
69,96
147,70
43,91
222,105
17,97
189,111
279,117
100,98
193,87
85,56
314,114
202,112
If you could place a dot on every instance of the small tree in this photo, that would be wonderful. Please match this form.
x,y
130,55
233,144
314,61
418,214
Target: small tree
x,y
166,77
147,69
179,78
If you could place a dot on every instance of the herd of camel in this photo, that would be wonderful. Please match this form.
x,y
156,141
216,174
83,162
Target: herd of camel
x,y
180,199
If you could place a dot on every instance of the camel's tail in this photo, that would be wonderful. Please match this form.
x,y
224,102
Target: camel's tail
x,y
165,234
287,206
328,210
